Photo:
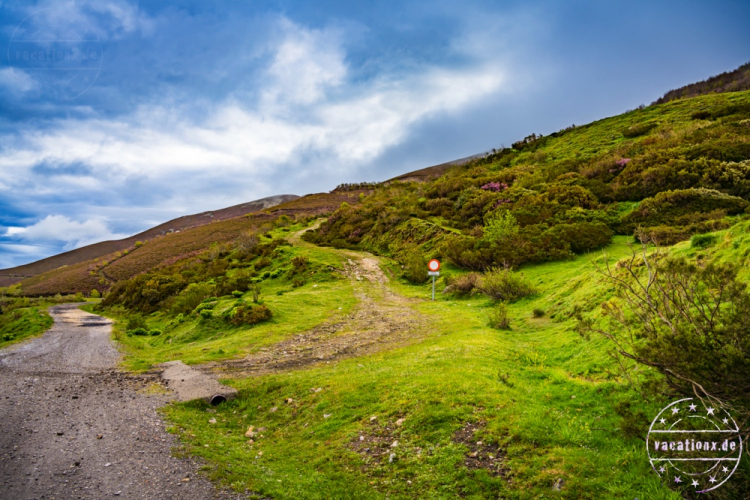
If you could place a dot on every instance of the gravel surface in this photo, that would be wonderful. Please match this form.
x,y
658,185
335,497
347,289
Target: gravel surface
x,y
72,426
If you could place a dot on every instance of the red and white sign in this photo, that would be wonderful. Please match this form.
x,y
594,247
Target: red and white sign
x,y
434,265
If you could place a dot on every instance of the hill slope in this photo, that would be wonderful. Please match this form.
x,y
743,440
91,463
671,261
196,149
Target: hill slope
x,y
15,274
730,81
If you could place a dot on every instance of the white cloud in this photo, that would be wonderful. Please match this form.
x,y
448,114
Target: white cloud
x,y
62,229
160,142
16,80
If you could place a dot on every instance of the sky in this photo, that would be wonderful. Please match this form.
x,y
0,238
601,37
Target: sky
x,y
118,115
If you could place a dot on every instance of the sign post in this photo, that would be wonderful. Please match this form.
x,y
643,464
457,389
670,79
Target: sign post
x,y
434,270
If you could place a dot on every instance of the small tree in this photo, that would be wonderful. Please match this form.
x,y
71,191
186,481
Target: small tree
x,y
501,226
689,322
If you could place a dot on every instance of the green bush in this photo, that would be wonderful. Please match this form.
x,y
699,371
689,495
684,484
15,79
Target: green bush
x,y
582,236
538,313
415,267
703,240
499,318
9,336
638,129
237,294
136,322
505,285
206,313
137,331
155,333
95,294
247,315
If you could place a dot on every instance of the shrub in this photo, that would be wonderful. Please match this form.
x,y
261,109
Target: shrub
x,y
538,313
247,315
297,281
703,240
95,294
190,298
135,322
155,333
463,285
415,267
505,285
582,236
204,306
638,129
206,313
255,289
237,294
137,331
9,336
499,318
263,262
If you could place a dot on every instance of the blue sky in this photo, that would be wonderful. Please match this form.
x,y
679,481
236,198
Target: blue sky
x,y
161,109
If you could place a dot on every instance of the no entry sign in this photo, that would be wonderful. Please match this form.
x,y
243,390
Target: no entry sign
x,y
434,267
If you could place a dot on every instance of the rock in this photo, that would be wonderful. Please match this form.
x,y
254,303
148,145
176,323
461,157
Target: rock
x,y
558,484
373,418
262,429
400,421
392,458
289,401
60,433
250,441
326,415
394,444
212,421
99,436
107,464
250,432
274,409
572,397
479,443
361,438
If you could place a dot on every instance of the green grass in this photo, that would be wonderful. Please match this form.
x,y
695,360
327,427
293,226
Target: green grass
x,y
23,323
324,296
546,395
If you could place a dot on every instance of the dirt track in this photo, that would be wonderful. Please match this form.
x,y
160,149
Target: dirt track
x,y
71,426
382,320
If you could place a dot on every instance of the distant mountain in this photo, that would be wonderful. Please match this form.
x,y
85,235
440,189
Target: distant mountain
x,y
731,81
16,274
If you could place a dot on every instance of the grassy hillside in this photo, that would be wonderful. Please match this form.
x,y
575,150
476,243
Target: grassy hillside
x,y
352,384
102,272
686,162
100,250
464,409
730,81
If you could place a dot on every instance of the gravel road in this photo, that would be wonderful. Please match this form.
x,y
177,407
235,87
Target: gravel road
x,y
72,426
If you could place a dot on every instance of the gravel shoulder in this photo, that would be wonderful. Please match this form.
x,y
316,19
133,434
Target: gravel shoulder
x,y
72,426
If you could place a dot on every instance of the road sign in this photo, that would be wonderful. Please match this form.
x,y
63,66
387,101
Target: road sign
x,y
434,268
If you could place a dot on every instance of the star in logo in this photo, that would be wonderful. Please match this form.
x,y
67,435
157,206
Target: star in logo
x,y
710,411
726,421
662,469
675,410
662,420
724,469
693,407
713,479
678,479
695,483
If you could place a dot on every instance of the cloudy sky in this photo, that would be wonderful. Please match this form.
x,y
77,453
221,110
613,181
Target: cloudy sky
x,y
118,115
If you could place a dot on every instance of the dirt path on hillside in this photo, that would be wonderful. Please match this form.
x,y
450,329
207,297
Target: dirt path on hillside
x,y
71,426
381,320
